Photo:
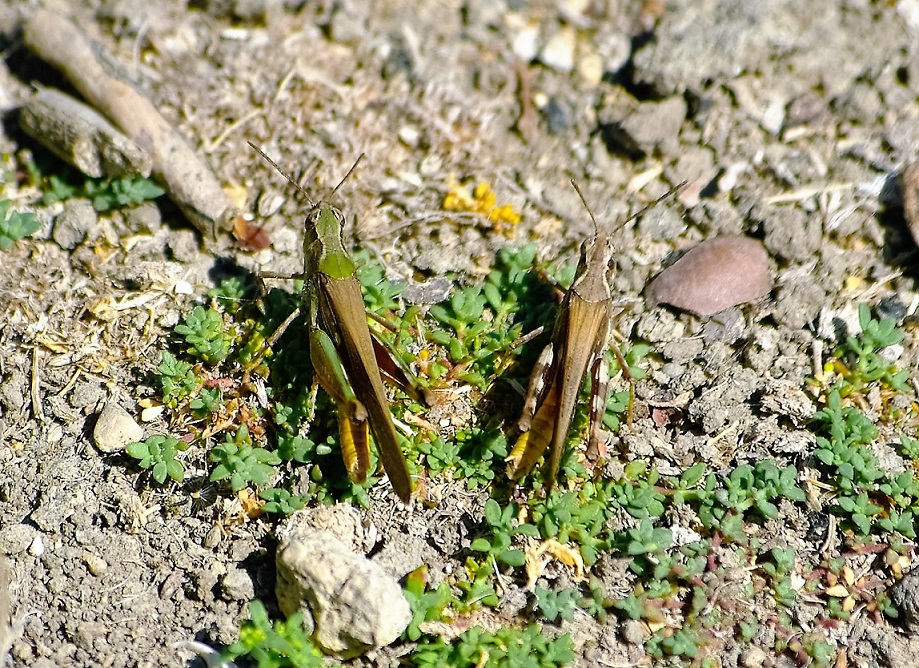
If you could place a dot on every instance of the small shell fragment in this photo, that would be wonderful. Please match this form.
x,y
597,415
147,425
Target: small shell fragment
x,y
715,275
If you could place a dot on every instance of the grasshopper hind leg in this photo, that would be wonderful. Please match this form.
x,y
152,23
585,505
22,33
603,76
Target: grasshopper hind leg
x,y
353,425
630,379
533,443
599,397
600,393
539,381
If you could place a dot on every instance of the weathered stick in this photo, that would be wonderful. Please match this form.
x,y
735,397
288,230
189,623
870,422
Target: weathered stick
x,y
189,182
81,136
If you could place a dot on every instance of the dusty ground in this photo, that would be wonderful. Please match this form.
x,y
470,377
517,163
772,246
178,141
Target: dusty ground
x,y
747,101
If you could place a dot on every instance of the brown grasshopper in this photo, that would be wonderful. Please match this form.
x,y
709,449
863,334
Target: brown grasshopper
x,y
346,358
580,339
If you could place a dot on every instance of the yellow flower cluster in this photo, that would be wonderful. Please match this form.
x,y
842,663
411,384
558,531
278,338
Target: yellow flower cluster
x,y
481,200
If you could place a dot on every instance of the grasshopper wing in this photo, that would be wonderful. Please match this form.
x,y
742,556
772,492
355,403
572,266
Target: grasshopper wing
x,y
341,309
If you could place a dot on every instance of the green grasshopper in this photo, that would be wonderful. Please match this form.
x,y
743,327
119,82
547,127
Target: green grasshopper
x,y
580,339
346,358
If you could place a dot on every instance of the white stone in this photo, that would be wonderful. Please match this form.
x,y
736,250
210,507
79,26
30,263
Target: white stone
x,y
37,548
558,53
115,428
355,606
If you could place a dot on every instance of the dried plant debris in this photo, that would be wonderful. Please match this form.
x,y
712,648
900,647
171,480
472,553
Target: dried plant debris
x,y
81,136
189,181
715,275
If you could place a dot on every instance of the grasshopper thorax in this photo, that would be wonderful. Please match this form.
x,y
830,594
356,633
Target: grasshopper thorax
x,y
595,268
323,244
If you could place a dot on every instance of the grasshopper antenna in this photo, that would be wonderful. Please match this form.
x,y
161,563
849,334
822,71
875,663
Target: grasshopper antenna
x,y
675,189
280,171
296,185
345,178
586,205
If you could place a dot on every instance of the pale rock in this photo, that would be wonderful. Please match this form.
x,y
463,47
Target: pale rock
x,y
95,564
342,520
526,42
37,548
558,53
632,632
753,657
909,12
590,66
717,274
773,118
115,428
353,604
652,126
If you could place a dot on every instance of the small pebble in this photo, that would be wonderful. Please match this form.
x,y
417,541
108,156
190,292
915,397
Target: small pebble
x,y
773,118
431,165
16,538
96,564
37,548
75,223
237,585
615,50
715,275
115,428
269,203
809,107
754,657
213,537
184,246
398,61
409,135
87,394
905,596
347,27
151,413
728,181
556,116
655,125
558,53
909,12
525,43
632,632
145,217
590,67
432,291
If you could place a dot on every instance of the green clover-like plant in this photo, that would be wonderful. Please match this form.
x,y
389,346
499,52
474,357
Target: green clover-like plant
x,y
15,225
203,331
240,462
159,454
503,526
281,501
276,644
